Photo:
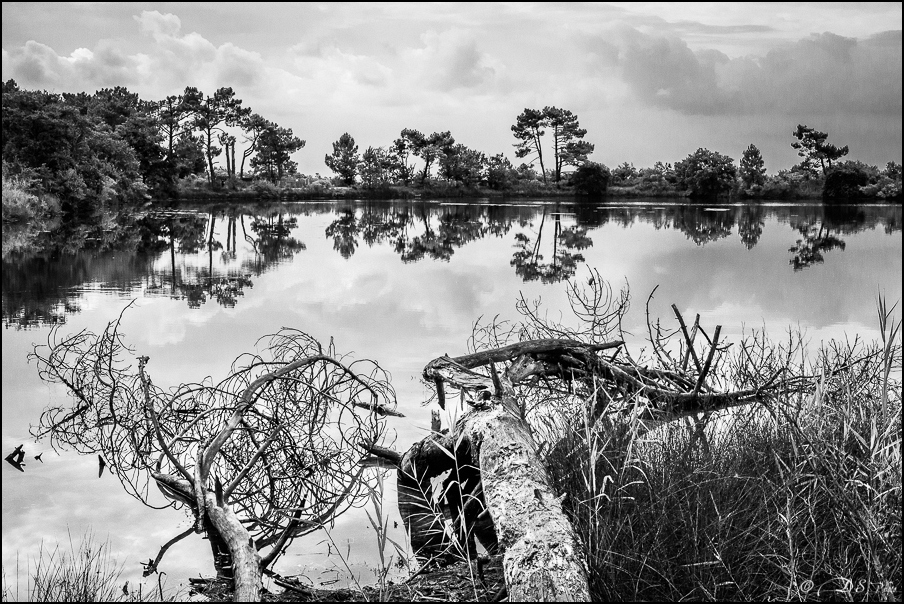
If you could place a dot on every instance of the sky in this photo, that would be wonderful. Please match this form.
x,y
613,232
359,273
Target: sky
x,y
649,81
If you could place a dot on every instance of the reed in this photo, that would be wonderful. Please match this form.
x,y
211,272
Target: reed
x,y
85,572
797,501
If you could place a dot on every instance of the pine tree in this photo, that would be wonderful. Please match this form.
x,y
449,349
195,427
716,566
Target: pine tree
x,y
753,168
344,160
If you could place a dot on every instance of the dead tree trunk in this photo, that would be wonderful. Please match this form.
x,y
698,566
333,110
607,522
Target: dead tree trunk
x,y
235,556
246,562
512,505
542,557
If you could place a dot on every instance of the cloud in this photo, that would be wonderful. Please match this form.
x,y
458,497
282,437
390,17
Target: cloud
x,y
174,61
158,25
822,74
37,65
373,71
704,28
819,75
450,60
240,67
332,67
665,72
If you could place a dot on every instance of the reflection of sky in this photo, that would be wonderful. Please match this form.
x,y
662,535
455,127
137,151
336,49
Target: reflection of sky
x,y
402,315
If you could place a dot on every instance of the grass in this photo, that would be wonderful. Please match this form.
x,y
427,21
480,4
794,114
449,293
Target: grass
x,y
21,204
801,501
84,573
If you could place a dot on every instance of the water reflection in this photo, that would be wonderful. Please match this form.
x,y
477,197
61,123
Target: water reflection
x,y
817,239
415,233
213,253
528,261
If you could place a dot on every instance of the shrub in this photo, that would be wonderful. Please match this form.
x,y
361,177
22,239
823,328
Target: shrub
x,y
624,174
23,201
706,173
844,181
265,188
591,179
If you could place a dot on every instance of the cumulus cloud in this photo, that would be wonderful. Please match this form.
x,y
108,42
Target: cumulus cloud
x,y
332,67
157,25
174,61
240,67
821,74
37,65
420,74
665,72
450,60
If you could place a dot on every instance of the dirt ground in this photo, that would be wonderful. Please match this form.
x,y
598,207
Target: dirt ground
x,y
452,583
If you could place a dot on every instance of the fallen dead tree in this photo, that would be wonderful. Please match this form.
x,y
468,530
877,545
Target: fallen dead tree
x,y
493,483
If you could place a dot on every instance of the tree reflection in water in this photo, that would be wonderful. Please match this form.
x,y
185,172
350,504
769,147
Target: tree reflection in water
x,y
412,233
196,256
117,252
820,232
816,240
454,231
703,226
750,225
528,261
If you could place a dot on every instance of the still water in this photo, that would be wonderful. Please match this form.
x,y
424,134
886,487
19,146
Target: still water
x,y
398,282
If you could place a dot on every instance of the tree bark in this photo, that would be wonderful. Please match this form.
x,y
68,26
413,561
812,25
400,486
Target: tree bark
x,y
246,562
542,558
235,556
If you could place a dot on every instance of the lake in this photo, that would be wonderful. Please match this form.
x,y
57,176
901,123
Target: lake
x,y
400,283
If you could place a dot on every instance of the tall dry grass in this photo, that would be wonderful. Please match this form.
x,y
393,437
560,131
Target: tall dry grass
x,y
798,501
85,572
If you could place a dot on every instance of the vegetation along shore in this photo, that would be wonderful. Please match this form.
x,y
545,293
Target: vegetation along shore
x,y
77,153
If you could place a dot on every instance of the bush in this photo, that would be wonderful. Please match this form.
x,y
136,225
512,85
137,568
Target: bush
x,y
706,173
265,188
590,179
844,181
22,203
624,174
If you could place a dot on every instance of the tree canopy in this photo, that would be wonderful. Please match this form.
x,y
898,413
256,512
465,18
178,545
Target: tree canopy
x,y
568,148
345,159
706,173
752,169
528,129
275,147
93,150
812,146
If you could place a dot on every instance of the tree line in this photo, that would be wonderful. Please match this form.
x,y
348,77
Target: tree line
x,y
87,151
820,173
458,164
702,174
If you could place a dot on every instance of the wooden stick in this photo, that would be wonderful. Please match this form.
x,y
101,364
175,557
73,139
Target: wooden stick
x,y
709,360
690,342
